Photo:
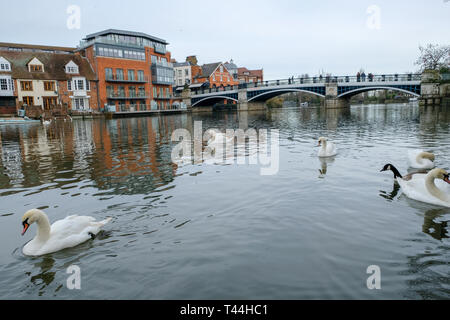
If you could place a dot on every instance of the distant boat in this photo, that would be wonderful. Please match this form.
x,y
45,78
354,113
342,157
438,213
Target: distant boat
x,y
304,104
18,121
415,99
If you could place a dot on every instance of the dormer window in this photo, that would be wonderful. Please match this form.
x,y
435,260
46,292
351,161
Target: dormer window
x,y
35,65
4,65
72,68
35,68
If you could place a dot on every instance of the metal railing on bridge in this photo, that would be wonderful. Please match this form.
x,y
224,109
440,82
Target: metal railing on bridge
x,y
316,81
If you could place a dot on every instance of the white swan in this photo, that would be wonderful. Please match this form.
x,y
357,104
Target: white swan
x,y
419,159
422,187
328,148
63,234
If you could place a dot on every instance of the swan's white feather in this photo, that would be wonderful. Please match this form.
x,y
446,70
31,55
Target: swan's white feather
x,y
413,163
329,151
416,189
65,233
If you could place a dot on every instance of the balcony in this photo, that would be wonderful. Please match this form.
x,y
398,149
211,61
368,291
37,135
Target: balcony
x,y
114,78
163,64
122,96
159,97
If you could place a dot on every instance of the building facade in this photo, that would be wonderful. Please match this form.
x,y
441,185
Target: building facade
x,y
249,76
216,74
133,69
8,93
47,80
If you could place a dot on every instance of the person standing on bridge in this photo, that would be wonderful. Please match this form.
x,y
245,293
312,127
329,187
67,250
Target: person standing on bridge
x,y
363,77
358,77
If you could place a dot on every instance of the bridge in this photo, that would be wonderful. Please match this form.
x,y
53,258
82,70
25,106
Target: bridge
x,y
336,91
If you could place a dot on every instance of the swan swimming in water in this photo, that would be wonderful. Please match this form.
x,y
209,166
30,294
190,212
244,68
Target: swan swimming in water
x,y
419,159
66,233
426,188
328,148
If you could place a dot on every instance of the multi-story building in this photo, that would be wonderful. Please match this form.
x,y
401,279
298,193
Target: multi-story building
x,y
249,76
133,69
46,79
232,68
8,94
216,74
183,73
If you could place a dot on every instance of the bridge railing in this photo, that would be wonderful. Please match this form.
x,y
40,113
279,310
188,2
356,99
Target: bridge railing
x,y
315,81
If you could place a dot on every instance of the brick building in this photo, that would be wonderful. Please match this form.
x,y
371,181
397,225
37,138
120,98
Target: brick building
x,y
248,76
216,74
133,69
45,77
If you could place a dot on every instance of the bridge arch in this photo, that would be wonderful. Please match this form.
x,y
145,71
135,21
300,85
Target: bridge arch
x,y
354,92
213,98
275,93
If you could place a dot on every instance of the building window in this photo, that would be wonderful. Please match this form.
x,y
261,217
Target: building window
x,y
29,101
121,91
141,76
119,74
35,68
3,84
26,85
132,92
5,67
110,91
49,102
80,104
221,68
108,73
131,75
141,92
80,84
49,86
154,92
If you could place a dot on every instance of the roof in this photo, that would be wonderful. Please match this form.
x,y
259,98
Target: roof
x,y
230,65
254,73
208,69
54,64
125,33
7,45
181,64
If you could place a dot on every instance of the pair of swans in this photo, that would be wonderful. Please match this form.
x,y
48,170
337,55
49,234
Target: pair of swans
x,y
62,234
432,187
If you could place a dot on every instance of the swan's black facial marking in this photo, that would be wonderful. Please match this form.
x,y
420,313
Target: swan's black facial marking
x,y
92,235
447,178
25,225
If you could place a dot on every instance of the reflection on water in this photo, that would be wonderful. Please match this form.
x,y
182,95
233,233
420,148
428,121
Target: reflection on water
x,y
198,230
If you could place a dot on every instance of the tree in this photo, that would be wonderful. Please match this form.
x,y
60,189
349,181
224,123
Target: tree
x,y
433,57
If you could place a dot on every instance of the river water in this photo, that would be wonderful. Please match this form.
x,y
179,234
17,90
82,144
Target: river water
x,y
223,230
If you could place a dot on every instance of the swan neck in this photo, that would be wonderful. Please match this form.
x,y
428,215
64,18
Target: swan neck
x,y
324,145
43,230
433,189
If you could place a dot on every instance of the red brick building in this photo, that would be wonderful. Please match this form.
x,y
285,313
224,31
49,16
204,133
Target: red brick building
x,y
249,76
216,74
133,69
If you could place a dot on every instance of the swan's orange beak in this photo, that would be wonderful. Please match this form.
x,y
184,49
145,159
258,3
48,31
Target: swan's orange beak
x,y
25,228
446,179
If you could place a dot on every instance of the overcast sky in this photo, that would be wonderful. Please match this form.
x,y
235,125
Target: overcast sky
x,y
285,37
